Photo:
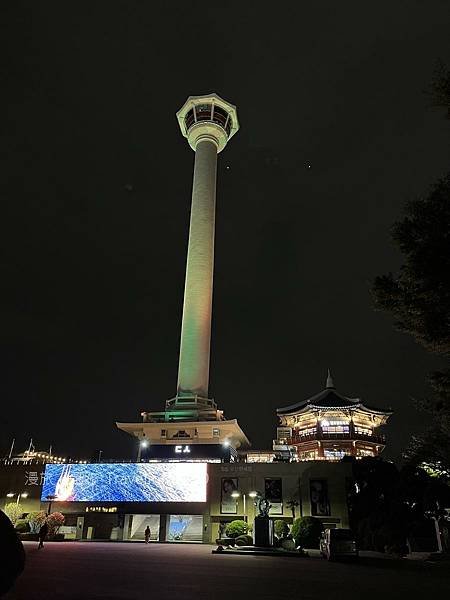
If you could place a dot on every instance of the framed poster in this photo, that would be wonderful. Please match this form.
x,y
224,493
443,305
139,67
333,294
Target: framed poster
x,y
228,504
318,492
273,491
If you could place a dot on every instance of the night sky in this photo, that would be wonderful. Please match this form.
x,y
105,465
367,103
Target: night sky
x,y
336,134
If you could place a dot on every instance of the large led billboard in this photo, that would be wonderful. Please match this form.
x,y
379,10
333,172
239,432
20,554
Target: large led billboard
x,y
126,482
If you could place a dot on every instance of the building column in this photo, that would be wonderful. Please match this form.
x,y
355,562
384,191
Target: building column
x,y
193,371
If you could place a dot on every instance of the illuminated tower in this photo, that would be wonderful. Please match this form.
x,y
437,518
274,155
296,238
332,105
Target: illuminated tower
x,y
191,418
208,122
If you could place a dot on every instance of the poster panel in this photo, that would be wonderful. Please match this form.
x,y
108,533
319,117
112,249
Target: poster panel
x,y
228,504
273,491
318,491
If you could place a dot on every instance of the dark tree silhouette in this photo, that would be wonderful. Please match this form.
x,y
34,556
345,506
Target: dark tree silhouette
x,y
439,90
418,297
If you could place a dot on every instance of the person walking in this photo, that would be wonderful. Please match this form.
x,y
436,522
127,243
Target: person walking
x,y
147,534
43,531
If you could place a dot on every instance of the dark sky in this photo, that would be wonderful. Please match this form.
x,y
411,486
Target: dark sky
x,y
97,180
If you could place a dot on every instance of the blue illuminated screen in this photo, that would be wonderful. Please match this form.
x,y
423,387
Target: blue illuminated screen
x,y
126,482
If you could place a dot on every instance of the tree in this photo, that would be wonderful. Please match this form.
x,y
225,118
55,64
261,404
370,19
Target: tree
x,y
36,520
439,89
14,511
418,298
292,505
306,531
54,521
281,528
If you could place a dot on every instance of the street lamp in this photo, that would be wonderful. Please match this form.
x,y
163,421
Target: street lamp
x,y
237,494
50,499
142,444
18,494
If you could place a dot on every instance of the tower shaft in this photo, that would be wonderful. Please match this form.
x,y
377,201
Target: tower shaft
x,y
193,370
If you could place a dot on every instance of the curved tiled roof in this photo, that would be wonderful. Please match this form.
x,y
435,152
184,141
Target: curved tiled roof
x,y
328,398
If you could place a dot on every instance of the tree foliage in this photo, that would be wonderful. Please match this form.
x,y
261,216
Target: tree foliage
x,y
439,90
388,505
306,531
54,522
281,528
14,511
418,298
236,528
36,520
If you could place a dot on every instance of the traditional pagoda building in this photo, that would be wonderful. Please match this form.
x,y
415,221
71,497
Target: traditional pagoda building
x,y
329,426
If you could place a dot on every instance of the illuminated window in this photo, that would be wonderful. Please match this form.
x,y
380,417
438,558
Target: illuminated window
x,y
364,452
189,119
363,430
335,427
163,433
203,112
220,116
307,431
334,454
216,432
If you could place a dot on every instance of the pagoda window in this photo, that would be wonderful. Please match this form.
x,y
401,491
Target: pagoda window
x,y
363,452
335,426
307,431
334,454
363,430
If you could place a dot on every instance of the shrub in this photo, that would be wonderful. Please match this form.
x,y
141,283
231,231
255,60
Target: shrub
x,y
287,544
14,511
54,522
236,528
36,520
21,526
306,531
244,540
281,528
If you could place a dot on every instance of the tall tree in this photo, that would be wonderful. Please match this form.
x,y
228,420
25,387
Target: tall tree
x,y
439,90
418,297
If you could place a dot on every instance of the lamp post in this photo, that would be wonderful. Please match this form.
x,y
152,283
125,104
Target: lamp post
x,y
142,444
50,499
252,494
236,495
18,494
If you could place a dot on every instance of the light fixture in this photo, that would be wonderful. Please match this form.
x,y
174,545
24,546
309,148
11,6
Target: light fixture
x,y
10,495
253,494
226,443
144,444
235,494
24,495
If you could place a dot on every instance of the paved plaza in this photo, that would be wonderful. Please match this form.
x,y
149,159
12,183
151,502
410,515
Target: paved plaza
x,y
121,571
